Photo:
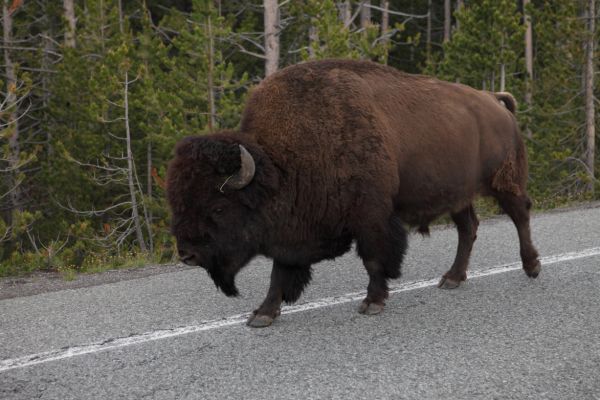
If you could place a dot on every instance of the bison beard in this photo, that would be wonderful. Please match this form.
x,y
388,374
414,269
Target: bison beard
x,y
333,152
223,280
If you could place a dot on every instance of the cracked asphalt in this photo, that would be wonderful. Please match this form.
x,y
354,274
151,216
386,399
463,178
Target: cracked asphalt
x,y
501,336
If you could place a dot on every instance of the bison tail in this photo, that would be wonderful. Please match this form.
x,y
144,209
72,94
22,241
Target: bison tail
x,y
508,100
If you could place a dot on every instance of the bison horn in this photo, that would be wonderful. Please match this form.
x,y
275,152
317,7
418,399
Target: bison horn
x,y
246,172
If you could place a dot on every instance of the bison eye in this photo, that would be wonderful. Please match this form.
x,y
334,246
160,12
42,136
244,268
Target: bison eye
x,y
218,211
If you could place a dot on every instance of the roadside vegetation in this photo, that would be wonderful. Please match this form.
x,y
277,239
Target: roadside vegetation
x,y
95,93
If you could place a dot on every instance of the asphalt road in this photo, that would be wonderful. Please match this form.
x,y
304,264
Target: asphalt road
x,y
173,336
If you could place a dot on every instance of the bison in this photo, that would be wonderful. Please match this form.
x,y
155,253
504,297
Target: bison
x,y
336,152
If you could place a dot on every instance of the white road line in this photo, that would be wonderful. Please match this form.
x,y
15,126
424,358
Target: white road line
x,y
68,352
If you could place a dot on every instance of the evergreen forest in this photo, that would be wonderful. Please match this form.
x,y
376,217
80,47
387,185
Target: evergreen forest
x,y
95,94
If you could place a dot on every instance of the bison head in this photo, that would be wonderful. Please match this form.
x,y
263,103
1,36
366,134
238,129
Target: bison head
x,y
214,196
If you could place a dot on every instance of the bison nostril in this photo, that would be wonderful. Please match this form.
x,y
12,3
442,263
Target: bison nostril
x,y
184,255
187,259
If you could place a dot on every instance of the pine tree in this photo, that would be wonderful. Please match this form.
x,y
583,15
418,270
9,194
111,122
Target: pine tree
x,y
99,139
556,114
333,38
28,59
211,93
486,52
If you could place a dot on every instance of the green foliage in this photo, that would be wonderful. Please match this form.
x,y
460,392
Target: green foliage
x,y
490,36
20,264
100,262
557,112
335,40
190,64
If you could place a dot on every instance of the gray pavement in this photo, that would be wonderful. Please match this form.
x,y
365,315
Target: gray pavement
x,y
498,336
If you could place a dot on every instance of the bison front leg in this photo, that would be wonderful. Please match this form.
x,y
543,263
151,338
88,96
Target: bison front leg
x,y
382,250
466,224
377,291
287,284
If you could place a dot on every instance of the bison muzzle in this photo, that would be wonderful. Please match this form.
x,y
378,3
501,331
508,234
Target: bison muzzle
x,y
336,152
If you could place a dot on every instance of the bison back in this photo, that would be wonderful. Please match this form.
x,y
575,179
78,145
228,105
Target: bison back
x,y
353,132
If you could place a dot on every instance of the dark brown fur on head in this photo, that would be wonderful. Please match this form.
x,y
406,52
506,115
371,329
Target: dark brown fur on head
x,y
211,222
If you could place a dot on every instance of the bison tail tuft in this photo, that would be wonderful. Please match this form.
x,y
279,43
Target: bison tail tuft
x,y
508,100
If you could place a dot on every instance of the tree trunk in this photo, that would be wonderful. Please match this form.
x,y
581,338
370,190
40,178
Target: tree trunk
x,y
121,29
459,6
590,128
103,25
47,80
14,149
447,20
345,13
528,44
313,39
428,38
385,26
71,23
528,61
365,13
130,179
211,86
149,193
271,36
385,19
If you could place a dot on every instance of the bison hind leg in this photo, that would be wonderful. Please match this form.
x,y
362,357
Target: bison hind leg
x,y
466,224
517,207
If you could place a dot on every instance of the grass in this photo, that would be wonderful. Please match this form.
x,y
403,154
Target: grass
x,y
67,273
99,263
25,264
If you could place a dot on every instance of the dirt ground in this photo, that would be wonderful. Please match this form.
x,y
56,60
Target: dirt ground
x,y
42,282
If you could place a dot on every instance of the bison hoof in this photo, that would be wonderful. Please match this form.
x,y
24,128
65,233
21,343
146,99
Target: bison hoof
x,y
534,270
259,321
368,308
448,283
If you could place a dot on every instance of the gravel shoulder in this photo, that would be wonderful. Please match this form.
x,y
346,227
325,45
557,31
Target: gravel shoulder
x,y
44,282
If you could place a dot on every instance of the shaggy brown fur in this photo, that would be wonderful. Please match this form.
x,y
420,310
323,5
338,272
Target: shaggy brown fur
x,y
346,151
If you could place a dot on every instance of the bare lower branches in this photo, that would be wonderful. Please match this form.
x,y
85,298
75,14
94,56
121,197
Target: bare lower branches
x,y
118,171
590,113
402,14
